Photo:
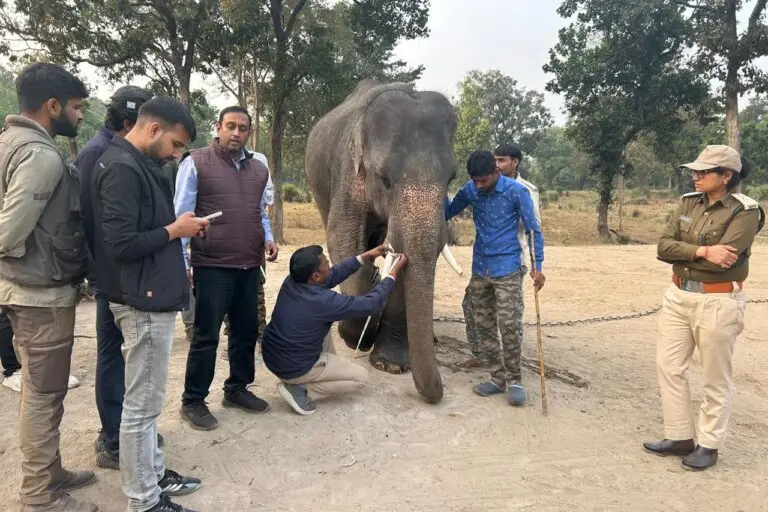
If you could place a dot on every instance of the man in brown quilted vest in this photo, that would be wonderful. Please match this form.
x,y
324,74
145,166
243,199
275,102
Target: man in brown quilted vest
x,y
225,265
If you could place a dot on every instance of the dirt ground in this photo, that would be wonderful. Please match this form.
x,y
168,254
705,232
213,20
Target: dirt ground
x,y
389,450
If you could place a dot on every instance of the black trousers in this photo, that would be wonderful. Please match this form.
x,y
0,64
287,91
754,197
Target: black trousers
x,y
110,373
220,291
7,355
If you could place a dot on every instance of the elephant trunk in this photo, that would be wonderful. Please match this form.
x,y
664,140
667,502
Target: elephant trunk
x,y
417,229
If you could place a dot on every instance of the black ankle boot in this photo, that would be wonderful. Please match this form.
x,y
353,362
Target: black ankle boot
x,y
701,459
670,447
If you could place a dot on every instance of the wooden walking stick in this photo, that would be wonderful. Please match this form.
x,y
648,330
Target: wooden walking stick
x,y
538,331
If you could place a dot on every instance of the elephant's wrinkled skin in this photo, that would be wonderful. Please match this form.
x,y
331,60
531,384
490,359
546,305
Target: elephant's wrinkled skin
x,y
379,165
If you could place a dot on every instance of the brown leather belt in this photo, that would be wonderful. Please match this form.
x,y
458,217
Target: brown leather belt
x,y
700,287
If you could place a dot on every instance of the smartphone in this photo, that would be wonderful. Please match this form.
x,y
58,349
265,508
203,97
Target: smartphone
x,y
211,216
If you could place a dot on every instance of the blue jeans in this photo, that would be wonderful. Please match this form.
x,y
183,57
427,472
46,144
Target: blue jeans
x,y
110,373
147,350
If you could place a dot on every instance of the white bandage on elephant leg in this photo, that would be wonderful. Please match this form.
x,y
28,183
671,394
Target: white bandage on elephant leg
x,y
386,268
448,255
389,260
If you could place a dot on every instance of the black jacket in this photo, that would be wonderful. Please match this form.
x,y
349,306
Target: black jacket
x,y
136,265
86,162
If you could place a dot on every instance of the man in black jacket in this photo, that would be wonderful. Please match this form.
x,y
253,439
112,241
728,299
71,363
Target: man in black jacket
x,y
140,268
122,112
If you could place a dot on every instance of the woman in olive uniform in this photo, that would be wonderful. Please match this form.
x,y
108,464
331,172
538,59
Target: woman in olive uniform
x,y
708,243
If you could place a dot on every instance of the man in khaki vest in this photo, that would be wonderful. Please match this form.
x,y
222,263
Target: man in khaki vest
x,y
43,259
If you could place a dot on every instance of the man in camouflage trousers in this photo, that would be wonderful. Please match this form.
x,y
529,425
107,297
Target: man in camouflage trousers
x,y
508,158
499,206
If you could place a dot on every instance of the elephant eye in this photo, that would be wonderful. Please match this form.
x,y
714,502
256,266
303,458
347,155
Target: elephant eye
x,y
386,181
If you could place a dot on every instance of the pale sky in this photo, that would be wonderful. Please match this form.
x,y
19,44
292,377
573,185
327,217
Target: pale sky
x,y
513,36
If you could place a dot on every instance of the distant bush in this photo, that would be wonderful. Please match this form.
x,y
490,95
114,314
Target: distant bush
x,y
295,194
636,213
758,192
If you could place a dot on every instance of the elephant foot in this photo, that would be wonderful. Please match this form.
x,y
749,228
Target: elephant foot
x,y
390,353
390,359
350,332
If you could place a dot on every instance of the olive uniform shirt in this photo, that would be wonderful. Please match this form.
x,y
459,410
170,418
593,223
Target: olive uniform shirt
x,y
733,220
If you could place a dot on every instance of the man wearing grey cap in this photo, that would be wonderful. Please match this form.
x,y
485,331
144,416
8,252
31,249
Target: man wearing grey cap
x,y
122,111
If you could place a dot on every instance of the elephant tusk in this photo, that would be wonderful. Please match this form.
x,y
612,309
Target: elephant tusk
x,y
448,255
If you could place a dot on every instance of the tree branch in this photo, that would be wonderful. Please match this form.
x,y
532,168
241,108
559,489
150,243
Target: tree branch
x,y
276,10
224,82
292,20
754,31
701,6
189,53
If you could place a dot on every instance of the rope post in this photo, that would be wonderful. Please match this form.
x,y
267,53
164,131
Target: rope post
x,y
538,330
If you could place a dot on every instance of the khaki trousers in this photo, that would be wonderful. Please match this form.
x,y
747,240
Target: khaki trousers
x,y
710,322
43,338
331,375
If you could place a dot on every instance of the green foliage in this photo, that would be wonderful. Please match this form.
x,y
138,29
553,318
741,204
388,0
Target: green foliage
x,y
205,117
294,194
493,109
93,121
559,163
165,40
758,193
754,138
297,60
621,67
724,54
473,129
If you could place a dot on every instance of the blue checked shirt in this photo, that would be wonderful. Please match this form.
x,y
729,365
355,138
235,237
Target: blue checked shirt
x,y
497,217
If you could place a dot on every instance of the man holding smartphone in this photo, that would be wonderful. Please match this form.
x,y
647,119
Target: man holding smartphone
x,y
140,268
224,177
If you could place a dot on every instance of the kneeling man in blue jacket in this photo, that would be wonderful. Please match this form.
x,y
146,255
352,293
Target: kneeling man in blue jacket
x,y
297,342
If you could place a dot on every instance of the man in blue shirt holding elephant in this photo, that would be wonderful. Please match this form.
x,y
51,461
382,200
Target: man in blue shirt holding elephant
x,y
499,205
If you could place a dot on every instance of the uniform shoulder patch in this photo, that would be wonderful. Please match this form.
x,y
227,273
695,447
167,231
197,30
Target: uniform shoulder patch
x,y
748,202
692,194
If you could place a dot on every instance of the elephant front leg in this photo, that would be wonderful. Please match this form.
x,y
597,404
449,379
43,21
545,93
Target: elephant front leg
x,y
351,330
390,352
346,239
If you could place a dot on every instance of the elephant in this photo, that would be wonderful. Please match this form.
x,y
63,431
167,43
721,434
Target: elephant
x,y
378,166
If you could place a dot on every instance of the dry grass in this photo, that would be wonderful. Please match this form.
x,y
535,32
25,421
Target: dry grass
x,y
568,220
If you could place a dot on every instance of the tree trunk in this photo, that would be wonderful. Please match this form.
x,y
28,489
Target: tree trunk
x,y
256,133
602,220
184,93
732,135
275,167
620,198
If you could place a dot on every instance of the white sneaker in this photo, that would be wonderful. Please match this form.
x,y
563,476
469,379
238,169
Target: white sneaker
x,y
13,381
73,382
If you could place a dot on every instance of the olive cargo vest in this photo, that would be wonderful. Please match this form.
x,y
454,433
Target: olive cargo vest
x,y
55,251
